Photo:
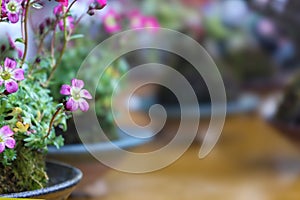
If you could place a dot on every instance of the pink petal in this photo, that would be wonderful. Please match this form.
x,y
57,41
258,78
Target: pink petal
x,y
2,147
63,2
65,90
136,19
10,143
83,105
11,87
20,53
1,81
71,105
70,23
57,9
10,63
13,18
77,84
11,42
18,74
85,94
101,4
61,25
150,22
6,131
110,22
112,29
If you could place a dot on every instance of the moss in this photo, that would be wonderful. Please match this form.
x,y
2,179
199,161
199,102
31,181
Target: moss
x,y
25,173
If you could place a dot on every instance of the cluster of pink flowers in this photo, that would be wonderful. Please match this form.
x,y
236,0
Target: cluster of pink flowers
x,y
11,73
59,10
112,21
137,20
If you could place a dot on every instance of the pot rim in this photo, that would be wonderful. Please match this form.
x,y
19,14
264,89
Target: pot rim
x,y
245,102
124,141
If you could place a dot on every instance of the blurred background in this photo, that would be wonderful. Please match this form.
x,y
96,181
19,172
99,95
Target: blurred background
x,y
255,46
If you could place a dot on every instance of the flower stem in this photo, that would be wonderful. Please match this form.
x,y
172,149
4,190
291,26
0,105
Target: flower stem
x,y
61,52
66,38
25,32
0,8
52,121
71,6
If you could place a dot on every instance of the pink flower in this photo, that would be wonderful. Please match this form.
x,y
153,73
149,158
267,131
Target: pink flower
x,y
111,23
63,2
69,23
9,74
5,138
150,22
12,9
136,20
77,96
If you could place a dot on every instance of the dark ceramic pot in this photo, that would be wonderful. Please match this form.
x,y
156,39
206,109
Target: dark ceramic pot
x,y
62,181
92,184
292,132
288,128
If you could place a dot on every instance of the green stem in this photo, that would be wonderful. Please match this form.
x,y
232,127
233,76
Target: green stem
x,y
71,6
44,35
25,32
0,7
62,51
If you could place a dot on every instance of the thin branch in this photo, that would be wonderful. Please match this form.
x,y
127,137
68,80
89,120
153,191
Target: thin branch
x,y
61,52
25,32
71,5
0,7
52,121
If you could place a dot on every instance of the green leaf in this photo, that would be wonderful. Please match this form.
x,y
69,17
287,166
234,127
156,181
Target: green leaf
x,y
76,36
20,40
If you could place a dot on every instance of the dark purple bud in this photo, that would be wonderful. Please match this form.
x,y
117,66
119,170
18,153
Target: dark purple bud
x,y
6,93
42,28
3,48
48,22
38,60
91,12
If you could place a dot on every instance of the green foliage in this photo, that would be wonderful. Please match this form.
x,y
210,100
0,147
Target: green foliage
x,y
28,113
31,105
77,52
249,65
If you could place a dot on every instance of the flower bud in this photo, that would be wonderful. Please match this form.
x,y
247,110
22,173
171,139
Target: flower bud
x,y
48,21
100,4
91,12
3,48
41,28
38,60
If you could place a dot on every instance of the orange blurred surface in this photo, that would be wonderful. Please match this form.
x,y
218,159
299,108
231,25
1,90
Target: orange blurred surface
x,y
251,161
